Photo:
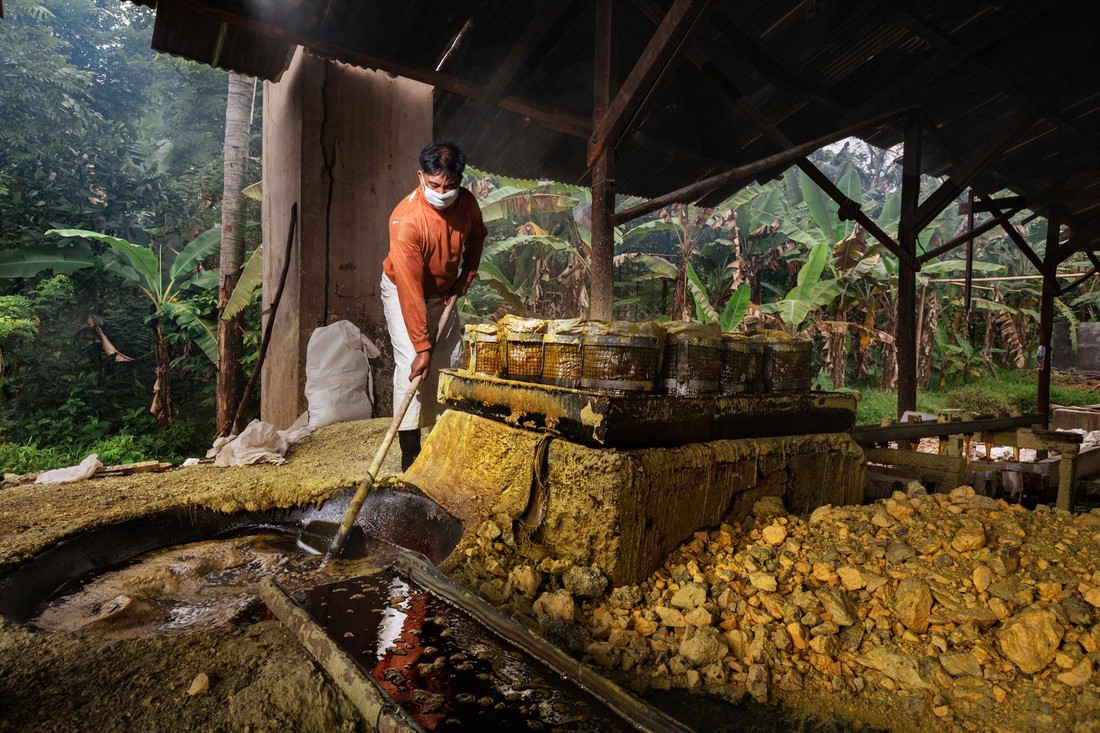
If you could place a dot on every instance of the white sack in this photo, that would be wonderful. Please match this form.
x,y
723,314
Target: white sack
x,y
260,442
83,470
338,375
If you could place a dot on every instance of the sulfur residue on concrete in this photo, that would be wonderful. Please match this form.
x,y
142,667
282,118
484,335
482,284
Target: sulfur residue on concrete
x,y
34,517
624,511
477,468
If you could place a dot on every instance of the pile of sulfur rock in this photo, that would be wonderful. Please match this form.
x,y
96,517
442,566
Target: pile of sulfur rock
x,y
945,611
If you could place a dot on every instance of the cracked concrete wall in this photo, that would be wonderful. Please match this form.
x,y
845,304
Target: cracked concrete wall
x,y
342,142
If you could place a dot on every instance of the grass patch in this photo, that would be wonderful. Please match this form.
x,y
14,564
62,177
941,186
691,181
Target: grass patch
x,y
1003,393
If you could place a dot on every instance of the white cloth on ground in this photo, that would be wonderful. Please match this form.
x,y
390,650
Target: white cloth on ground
x,y
260,442
82,470
424,409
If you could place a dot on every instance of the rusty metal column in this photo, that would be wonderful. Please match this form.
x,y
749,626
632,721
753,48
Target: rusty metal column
x,y
1046,314
601,296
905,336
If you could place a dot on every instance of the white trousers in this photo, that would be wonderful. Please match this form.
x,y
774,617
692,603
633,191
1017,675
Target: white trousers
x,y
424,409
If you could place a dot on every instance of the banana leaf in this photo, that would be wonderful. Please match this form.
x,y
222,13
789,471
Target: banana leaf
x,y
205,280
736,308
496,279
144,262
197,249
254,192
704,311
822,210
29,261
201,330
251,277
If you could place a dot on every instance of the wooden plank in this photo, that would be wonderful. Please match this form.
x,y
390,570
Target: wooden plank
x,y
916,431
1088,462
664,49
951,468
1067,479
1046,312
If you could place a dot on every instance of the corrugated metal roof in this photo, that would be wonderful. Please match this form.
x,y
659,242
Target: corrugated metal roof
x,y
812,67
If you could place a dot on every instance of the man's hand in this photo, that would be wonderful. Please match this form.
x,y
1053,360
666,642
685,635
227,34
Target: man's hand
x,y
420,364
457,290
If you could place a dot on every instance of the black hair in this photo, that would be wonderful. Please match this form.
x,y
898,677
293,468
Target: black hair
x,y
443,157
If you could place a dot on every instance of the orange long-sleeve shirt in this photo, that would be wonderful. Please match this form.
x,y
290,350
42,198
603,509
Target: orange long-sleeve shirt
x,y
430,250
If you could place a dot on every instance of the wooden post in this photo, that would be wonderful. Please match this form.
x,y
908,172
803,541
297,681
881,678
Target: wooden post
x,y
602,296
907,275
967,288
1046,313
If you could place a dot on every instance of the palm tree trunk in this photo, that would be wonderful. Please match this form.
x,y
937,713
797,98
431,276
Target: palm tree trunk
x,y
230,342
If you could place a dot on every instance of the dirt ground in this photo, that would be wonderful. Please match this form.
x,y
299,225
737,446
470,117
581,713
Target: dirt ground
x,y
937,626
260,677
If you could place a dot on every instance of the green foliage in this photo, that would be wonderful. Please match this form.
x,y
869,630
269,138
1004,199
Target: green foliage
x,y
102,134
180,440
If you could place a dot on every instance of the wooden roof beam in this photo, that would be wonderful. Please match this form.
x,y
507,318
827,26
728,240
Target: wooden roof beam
x,y
557,120
706,186
905,17
1014,234
745,46
970,235
848,209
960,179
543,21
664,49
1070,286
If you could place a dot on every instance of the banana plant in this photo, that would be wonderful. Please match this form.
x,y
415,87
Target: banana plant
x,y
146,270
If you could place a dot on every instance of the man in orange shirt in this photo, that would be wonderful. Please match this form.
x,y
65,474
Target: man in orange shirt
x,y
436,237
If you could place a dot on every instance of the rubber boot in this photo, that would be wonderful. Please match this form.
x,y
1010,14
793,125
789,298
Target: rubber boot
x,y
410,447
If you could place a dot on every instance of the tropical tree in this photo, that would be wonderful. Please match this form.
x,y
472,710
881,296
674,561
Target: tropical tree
x,y
230,385
144,268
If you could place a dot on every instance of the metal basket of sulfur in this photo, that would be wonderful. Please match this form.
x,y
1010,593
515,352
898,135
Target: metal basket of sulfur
x,y
481,349
562,353
786,365
621,356
521,344
740,364
693,358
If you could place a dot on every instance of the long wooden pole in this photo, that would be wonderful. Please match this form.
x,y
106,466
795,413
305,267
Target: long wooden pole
x,y
602,272
907,274
1046,313
375,465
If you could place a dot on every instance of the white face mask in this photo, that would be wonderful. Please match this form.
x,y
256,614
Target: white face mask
x,y
438,200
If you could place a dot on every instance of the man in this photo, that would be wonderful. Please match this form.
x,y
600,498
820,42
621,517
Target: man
x,y
436,237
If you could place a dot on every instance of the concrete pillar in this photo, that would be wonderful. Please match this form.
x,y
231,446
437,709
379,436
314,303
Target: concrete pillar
x,y
343,142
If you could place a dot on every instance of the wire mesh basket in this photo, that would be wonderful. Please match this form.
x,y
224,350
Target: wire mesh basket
x,y
692,359
521,339
786,365
621,356
740,364
562,353
481,349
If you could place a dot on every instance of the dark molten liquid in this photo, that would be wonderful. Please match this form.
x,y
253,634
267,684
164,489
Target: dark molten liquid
x,y
445,669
